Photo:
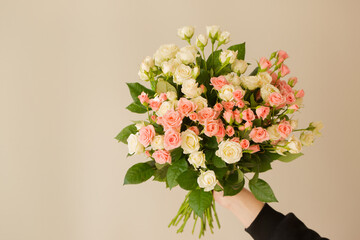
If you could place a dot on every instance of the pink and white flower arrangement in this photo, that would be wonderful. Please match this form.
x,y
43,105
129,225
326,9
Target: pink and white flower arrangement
x,y
209,124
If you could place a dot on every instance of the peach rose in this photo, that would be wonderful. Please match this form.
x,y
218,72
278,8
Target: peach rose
x,y
238,95
230,131
143,97
228,105
254,148
282,55
300,94
218,107
248,115
235,139
264,63
146,134
162,156
228,116
218,82
284,129
290,98
284,70
195,129
186,106
193,116
211,128
275,99
244,143
155,103
248,124
163,97
172,139
206,114
221,133
172,119
237,116
259,135
262,112
240,104
295,107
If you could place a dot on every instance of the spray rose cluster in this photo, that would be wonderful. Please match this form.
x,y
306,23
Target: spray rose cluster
x,y
209,122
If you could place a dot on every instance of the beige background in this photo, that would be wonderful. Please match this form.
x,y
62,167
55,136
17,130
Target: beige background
x,y
63,68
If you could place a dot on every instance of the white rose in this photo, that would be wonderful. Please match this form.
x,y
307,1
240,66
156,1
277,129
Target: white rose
x,y
280,150
143,76
294,124
187,54
190,142
227,56
165,106
164,53
233,78
135,147
317,127
147,64
197,159
266,90
213,31
250,82
196,72
201,41
226,92
273,133
229,151
224,37
190,88
239,66
172,96
294,145
200,102
140,125
207,180
265,78
186,32
158,142
169,67
307,138
182,73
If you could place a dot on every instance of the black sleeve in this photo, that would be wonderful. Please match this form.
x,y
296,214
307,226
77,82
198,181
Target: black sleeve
x,y
273,225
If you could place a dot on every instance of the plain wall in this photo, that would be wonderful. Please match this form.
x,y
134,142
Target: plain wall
x,y
63,68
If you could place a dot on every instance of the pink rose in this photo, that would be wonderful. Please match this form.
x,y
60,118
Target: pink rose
x,y
228,116
295,107
163,97
284,87
143,97
206,114
284,129
228,105
290,98
241,127
172,119
186,106
284,70
292,81
218,82
275,99
162,156
274,77
248,115
147,153
237,116
235,139
248,124
282,55
240,104
146,134
259,135
244,143
155,103
254,148
218,107
211,128
172,139
193,116
238,95
264,63
230,131
300,93
153,118
194,129
221,131
262,112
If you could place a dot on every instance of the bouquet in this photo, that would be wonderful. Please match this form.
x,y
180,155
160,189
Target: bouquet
x,y
209,124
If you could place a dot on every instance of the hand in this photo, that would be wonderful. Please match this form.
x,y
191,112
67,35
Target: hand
x,y
243,205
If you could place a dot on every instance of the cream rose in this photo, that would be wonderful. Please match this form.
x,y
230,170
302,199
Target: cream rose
x,y
213,31
201,41
265,78
273,133
294,124
266,90
224,37
158,142
233,78
186,32
226,92
207,180
134,145
190,142
165,106
147,64
190,88
239,66
307,138
294,145
250,82
317,127
200,102
227,56
143,76
172,96
169,67
229,151
187,54
182,73
164,53
197,159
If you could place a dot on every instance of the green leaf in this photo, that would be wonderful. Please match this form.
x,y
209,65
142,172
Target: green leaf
x,y
199,201
136,89
218,162
136,108
176,154
213,60
262,191
138,173
290,157
210,143
241,50
125,133
164,87
253,103
254,72
160,173
188,180
174,171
